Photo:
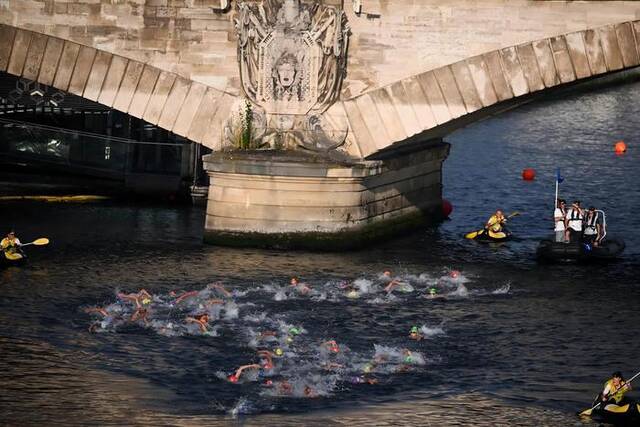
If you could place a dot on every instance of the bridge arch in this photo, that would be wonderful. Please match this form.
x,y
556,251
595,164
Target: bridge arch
x,y
187,108
413,107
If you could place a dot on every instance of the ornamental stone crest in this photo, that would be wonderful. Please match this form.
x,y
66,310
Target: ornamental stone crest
x,y
292,54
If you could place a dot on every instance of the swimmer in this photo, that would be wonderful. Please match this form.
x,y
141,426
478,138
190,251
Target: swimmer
x,y
141,313
393,283
184,296
332,346
99,310
415,334
361,379
220,288
302,288
201,319
241,369
266,360
309,392
140,298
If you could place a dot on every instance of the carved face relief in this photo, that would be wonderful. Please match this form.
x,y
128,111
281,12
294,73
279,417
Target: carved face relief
x,y
292,54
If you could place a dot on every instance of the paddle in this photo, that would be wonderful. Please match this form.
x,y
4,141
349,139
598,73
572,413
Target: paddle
x,y
475,234
38,242
587,412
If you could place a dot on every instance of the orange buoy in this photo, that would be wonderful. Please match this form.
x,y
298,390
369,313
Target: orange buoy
x,y
447,208
528,174
620,147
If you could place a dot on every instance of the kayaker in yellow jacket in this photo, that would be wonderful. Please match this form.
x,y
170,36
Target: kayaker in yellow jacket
x,y
10,243
496,222
615,389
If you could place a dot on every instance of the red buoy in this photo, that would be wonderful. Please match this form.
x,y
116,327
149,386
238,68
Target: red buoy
x,y
528,174
620,147
447,208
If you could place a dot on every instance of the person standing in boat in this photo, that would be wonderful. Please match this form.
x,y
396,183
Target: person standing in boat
x,y
11,243
560,218
615,389
592,227
575,216
496,222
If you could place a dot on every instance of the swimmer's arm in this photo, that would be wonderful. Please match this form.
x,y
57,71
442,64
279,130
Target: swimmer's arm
x,y
186,295
143,292
242,368
215,301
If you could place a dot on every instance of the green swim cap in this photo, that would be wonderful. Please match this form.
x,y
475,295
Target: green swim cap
x,y
294,331
408,359
414,329
367,368
432,291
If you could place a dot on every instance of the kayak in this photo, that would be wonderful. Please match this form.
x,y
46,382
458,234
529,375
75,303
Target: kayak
x,y
11,258
490,236
551,251
627,413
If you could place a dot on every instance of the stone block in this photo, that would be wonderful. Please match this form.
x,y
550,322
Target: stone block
x,y
595,55
143,91
513,71
97,75
128,86
213,136
7,35
627,44
450,91
419,103
82,69
66,65
34,57
493,61
50,61
112,80
636,32
482,80
529,65
19,52
373,121
401,102
159,97
578,54
204,115
174,103
542,49
609,41
564,65
363,138
388,115
189,109
436,99
466,86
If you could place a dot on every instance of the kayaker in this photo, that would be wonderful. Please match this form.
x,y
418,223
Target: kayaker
x,y
560,218
496,222
11,243
615,389
575,216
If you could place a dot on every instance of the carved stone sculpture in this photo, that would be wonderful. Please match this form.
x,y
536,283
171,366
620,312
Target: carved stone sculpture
x,y
292,57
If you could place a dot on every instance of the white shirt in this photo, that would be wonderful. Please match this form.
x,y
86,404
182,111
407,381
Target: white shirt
x,y
557,214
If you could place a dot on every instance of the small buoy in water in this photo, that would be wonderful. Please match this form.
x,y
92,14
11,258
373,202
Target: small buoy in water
x,y
620,147
232,378
528,174
447,208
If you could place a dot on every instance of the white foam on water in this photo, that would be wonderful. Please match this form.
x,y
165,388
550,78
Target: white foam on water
x,y
503,290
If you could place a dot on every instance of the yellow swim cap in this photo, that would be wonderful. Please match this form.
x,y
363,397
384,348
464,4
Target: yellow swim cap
x,y
279,352
146,301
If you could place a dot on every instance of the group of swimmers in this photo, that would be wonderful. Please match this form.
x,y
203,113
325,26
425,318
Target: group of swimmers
x,y
280,348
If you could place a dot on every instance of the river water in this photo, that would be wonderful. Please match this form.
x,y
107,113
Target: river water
x,y
505,341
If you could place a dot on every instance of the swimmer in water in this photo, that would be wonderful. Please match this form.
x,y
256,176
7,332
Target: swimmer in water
x,y
235,377
141,313
140,299
218,286
415,334
266,359
332,346
392,282
350,290
201,319
302,288
183,296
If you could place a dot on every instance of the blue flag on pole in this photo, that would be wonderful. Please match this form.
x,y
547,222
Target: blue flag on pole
x,y
559,178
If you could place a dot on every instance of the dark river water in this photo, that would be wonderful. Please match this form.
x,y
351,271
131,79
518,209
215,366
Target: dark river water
x,y
506,342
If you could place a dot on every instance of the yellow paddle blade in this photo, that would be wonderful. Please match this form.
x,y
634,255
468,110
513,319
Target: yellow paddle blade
x,y
586,413
41,241
616,408
498,235
473,234
12,256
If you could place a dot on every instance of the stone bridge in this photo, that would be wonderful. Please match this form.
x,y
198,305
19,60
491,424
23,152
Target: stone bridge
x,y
414,70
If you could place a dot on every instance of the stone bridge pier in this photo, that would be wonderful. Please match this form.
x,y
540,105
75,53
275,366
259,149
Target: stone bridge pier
x,y
325,118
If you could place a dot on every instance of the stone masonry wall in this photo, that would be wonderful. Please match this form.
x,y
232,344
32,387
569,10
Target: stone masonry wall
x,y
391,39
